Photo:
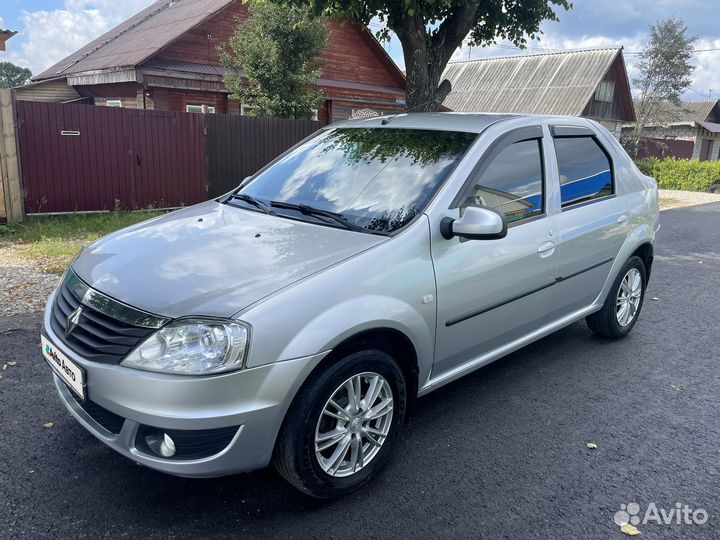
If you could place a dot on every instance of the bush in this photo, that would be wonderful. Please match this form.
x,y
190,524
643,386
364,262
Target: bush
x,y
647,165
687,175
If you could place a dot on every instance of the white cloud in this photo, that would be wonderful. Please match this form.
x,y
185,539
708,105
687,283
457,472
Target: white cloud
x,y
48,36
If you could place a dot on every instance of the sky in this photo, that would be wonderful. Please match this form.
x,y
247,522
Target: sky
x,y
49,30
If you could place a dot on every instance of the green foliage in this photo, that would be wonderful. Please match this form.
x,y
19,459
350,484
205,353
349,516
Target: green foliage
x,y
431,30
272,61
423,146
647,165
12,75
687,175
664,68
664,73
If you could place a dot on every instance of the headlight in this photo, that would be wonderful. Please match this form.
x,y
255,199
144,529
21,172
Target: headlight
x,y
192,347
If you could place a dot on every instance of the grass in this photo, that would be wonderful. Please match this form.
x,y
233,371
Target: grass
x,y
53,241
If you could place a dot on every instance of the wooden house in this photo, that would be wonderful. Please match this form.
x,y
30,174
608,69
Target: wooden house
x,y
166,58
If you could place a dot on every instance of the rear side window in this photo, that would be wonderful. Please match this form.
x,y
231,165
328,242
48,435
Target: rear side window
x,y
512,183
585,170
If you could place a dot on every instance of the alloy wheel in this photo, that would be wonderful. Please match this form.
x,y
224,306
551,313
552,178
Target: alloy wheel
x,y
628,297
354,424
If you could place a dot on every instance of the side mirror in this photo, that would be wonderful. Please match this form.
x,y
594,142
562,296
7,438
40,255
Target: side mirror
x,y
477,223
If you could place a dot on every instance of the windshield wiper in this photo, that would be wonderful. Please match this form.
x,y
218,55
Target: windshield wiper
x,y
257,203
312,211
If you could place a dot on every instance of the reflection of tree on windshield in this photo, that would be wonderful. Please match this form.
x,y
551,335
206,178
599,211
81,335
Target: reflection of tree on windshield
x,y
388,222
377,178
423,146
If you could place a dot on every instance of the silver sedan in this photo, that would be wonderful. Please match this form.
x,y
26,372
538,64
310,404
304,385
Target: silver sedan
x,y
297,319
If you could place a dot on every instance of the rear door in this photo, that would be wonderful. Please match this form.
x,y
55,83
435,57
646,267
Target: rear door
x,y
593,219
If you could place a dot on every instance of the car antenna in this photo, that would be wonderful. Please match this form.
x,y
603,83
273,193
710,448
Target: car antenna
x,y
385,121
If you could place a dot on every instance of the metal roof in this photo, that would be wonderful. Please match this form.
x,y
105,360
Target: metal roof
x,y
555,83
137,38
686,112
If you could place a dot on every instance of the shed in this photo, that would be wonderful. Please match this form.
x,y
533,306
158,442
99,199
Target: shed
x,y
588,83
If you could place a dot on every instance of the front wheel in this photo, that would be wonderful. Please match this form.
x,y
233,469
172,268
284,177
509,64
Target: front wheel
x,y
340,428
623,303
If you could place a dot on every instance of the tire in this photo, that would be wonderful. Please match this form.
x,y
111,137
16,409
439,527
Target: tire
x,y
611,321
295,456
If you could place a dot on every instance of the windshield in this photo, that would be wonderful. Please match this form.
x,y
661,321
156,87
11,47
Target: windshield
x,y
376,178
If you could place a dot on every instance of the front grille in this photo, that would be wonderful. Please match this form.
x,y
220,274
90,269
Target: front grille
x,y
97,337
107,419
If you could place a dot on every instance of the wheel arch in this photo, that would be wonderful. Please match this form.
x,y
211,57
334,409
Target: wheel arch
x,y
391,341
646,252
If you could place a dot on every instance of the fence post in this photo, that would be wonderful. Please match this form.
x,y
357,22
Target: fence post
x,y
11,190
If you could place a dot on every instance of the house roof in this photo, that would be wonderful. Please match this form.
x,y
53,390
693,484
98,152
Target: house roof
x,y
4,36
686,112
554,83
138,38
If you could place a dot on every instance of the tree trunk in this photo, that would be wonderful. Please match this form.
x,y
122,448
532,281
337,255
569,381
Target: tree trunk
x,y
426,55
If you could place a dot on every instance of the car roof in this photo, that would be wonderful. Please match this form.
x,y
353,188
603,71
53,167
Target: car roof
x,y
448,121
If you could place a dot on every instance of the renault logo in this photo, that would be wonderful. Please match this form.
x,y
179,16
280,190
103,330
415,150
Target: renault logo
x,y
72,321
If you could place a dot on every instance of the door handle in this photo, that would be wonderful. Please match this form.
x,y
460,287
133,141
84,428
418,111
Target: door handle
x,y
622,219
546,249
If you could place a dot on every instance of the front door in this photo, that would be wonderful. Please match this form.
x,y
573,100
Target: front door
x,y
490,292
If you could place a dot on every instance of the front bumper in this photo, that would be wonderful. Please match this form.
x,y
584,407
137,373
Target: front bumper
x,y
254,400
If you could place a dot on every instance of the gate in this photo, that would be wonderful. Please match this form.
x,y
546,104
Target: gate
x,y
86,158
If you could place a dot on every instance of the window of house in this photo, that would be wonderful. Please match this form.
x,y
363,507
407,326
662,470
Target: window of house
x,y
199,108
247,110
585,170
605,92
513,182
113,103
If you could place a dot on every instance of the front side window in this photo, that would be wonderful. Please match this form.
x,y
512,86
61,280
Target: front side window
x,y
585,170
376,178
512,183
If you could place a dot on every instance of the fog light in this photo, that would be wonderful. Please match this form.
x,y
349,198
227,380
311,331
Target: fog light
x,y
160,443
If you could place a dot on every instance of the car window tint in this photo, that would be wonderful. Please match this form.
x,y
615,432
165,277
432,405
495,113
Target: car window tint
x,y
585,171
377,178
512,183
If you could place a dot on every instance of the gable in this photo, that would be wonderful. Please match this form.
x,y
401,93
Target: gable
x,y
352,54
621,107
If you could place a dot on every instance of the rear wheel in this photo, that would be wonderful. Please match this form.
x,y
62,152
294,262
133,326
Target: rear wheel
x,y
623,303
340,428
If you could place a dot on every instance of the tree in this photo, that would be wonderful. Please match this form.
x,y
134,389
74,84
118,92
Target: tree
x,y
272,61
12,75
431,30
664,73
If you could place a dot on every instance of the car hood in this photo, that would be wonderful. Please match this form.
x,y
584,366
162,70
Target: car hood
x,y
212,259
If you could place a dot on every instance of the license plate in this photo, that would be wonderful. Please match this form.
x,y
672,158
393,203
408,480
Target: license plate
x,y
69,371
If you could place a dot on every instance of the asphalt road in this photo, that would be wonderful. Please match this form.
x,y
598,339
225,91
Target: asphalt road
x,y
501,453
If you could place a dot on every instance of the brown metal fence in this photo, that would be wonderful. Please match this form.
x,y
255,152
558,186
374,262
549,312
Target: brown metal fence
x,y
237,146
85,158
